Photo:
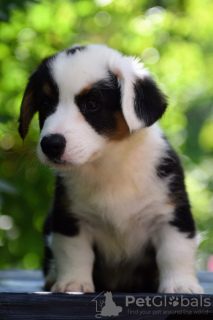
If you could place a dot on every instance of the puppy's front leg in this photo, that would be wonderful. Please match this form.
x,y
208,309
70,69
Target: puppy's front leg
x,y
175,258
74,259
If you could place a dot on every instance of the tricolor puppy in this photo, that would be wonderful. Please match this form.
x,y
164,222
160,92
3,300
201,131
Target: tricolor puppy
x,y
121,218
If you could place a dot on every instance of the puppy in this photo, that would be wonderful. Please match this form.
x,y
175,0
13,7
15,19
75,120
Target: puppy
x,y
121,218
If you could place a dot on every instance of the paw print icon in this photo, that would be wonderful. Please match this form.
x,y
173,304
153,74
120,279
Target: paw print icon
x,y
173,301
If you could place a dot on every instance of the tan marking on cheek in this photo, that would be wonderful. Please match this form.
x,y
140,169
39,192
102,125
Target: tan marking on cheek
x,y
122,130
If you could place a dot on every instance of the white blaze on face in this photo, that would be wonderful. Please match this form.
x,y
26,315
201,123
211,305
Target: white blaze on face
x,y
82,142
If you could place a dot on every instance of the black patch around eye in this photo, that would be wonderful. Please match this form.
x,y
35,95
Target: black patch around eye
x,y
46,91
75,49
106,94
90,105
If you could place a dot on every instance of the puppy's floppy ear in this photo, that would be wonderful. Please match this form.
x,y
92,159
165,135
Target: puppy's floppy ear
x,y
28,108
142,102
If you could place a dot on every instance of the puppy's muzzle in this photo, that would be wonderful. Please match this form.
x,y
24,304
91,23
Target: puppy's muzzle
x,y
53,146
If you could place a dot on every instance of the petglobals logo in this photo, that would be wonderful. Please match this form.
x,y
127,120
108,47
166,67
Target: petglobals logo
x,y
164,301
106,307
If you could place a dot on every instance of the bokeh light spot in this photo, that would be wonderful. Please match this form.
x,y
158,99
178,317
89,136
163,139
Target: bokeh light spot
x,y
150,55
26,35
6,222
7,141
102,18
103,3
22,52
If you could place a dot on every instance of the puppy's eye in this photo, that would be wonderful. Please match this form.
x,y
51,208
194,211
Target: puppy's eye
x,y
91,106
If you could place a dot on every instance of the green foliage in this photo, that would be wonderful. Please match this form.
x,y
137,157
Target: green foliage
x,y
174,40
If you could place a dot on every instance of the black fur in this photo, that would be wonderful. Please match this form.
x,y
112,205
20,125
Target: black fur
x,y
127,277
28,108
107,95
36,97
59,220
62,219
48,255
46,103
168,164
183,220
48,259
74,49
170,167
149,103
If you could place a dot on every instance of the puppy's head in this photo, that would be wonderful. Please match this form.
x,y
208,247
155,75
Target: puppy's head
x,y
86,96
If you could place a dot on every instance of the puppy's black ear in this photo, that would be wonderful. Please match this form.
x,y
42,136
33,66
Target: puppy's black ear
x,y
28,108
142,102
149,102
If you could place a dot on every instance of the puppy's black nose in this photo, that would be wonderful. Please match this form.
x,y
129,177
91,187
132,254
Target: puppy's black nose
x,y
53,146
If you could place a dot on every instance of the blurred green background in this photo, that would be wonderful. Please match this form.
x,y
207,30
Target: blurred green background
x,y
174,38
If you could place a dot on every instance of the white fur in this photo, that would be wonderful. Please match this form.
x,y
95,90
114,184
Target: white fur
x,y
175,258
82,140
118,202
74,259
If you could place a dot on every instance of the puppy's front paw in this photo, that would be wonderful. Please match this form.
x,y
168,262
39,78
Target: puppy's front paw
x,y
72,286
181,286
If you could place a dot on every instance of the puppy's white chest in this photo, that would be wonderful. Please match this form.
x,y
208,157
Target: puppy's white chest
x,y
115,208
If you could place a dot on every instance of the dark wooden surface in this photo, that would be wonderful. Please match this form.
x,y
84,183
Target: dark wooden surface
x,y
32,281
21,297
